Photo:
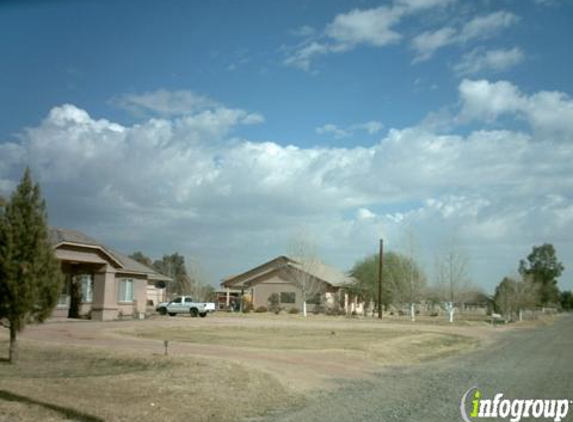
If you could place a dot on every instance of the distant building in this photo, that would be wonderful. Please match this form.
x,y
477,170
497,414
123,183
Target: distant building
x,y
279,276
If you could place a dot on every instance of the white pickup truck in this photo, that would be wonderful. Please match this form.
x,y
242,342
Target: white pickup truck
x,y
185,305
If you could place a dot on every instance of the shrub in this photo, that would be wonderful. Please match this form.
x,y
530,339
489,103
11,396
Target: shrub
x,y
247,307
274,303
261,309
293,311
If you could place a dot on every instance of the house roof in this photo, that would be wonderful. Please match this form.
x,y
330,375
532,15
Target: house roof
x,y
318,269
59,236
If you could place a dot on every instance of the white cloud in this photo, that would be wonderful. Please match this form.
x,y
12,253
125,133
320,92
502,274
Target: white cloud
x,y
235,203
371,127
364,214
331,129
370,26
427,42
487,26
303,55
497,60
163,102
480,27
374,27
548,112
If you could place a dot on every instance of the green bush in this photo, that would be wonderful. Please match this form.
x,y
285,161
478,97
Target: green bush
x,y
293,311
261,309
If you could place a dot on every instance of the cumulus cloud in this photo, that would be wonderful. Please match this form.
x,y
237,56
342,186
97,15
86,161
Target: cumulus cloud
x,y
493,61
478,28
547,112
370,26
234,203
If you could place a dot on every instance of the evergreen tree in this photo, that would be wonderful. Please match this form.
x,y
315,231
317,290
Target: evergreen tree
x,y
542,264
142,259
173,266
30,275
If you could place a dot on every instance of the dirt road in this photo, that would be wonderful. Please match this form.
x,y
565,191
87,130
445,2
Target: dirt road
x,y
529,364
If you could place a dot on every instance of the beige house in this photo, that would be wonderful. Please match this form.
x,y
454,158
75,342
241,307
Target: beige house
x,y
111,284
281,276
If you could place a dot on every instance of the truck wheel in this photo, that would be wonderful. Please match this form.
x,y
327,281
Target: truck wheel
x,y
203,314
194,312
162,311
172,314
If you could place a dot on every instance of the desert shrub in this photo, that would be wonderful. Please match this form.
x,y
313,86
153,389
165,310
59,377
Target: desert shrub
x,y
293,311
274,303
261,309
247,307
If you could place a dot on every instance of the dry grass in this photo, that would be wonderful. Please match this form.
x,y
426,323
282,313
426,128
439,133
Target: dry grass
x,y
381,344
61,383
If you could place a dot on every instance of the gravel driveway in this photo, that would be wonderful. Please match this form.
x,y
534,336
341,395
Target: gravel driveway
x,y
526,364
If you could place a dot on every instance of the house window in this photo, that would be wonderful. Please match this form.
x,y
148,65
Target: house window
x,y
64,299
86,282
126,290
288,297
314,300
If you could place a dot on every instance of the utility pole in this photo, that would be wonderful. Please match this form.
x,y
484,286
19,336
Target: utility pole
x,y
380,259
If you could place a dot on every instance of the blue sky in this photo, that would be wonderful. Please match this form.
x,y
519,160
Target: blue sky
x,y
219,129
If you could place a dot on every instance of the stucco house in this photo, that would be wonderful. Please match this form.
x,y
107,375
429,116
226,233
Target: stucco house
x,y
112,285
281,276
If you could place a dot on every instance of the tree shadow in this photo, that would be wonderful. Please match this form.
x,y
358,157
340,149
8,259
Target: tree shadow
x,y
65,411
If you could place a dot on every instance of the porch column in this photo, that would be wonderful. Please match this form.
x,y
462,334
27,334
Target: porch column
x,y
104,306
345,303
228,298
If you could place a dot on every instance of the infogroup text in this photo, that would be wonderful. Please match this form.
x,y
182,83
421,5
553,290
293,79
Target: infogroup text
x,y
513,409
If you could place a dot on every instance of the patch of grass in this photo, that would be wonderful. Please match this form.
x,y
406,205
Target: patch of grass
x,y
79,363
378,344
73,383
284,338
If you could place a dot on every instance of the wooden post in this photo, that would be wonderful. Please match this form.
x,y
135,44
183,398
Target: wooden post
x,y
380,259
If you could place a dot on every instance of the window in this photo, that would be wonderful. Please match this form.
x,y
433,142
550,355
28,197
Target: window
x,y
288,297
86,282
126,290
188,300
314,300
176,300
64,299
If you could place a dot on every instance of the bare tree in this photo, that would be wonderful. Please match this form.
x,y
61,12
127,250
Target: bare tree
x,y
452,278
416,280
302,249
200,289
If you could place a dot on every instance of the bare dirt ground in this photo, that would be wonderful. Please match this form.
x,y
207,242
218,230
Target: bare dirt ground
x,y
220,368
